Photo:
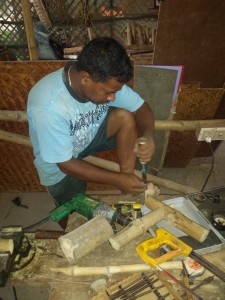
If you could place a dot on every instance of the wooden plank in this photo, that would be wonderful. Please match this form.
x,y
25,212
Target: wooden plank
x,y
190,33
156,86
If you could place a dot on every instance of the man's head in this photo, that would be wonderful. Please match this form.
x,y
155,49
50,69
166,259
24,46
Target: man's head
x,y
105,58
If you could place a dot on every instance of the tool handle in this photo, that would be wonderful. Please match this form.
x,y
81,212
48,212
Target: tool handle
x,y
60,212
163,237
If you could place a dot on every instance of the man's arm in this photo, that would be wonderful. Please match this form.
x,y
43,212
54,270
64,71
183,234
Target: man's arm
x,y
145,146
127,183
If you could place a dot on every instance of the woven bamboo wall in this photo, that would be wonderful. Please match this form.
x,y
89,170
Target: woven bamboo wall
x,y
16,161
194,103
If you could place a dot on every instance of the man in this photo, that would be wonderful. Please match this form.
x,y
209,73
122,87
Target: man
x,y
86,108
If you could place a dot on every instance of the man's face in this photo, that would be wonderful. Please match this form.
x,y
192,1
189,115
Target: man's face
x,y
101,92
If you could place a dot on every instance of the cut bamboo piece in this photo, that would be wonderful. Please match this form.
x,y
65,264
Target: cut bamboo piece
x,y
110,270
140,35
129,34
85,238
133,30
178,220
137,228
6,245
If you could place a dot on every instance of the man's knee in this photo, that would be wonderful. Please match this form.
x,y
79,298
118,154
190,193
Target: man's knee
x,y
120,119
123,115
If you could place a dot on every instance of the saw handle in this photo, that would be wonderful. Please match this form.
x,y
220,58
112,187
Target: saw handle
x,y
163,237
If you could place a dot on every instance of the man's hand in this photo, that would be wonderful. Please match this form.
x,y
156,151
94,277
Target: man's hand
x,y
144,148
130,184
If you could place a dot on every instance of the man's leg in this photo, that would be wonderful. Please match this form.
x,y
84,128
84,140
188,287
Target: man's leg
x,y
122,125
70,186
66,189
118,130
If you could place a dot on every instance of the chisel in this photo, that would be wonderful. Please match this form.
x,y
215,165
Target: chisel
x,y
144,173
143,167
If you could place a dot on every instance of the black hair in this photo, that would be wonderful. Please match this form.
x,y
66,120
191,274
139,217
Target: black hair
x,y
105,58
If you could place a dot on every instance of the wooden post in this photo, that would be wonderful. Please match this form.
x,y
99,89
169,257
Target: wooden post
x,y
28,23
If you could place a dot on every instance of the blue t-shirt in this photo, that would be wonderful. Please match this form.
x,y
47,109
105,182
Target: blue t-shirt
x,y
61,127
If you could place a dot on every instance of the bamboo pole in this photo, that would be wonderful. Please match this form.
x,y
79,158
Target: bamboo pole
x,y
15,138
161,125
108,165
13,115
183,125
27,17
112,166
110,270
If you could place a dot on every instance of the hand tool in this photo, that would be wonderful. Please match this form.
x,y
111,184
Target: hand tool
x,y
131,209
167,274
87,207
144,173
18,202
143,166
163,237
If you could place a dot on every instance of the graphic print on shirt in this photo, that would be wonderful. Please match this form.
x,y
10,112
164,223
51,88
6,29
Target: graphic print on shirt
x,y
85,126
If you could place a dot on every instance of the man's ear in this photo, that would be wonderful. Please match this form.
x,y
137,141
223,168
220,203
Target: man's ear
x,y
85,77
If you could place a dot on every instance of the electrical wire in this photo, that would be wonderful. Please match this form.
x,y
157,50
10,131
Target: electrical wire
x,y
14,293
212,166
35,224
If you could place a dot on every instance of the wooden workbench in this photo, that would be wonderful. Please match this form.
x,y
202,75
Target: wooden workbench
x,y
64,287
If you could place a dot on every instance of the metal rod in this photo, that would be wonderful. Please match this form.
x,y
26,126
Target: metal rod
x,y
178,282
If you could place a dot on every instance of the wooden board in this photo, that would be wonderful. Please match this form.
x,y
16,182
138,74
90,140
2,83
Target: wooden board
x,y
64,287
156,86
190,32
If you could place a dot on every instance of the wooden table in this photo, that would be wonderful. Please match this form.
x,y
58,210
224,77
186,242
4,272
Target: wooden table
x,y
64,287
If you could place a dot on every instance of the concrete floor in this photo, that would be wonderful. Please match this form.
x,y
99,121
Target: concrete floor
x,y
40,204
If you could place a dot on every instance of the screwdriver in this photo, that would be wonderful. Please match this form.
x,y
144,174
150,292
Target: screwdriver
x,y
143,167
144,173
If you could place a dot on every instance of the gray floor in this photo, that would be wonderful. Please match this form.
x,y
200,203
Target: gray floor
x,y
40,204
196,172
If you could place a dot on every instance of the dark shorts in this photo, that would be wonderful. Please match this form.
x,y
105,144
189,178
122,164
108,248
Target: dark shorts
x,y
69,186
